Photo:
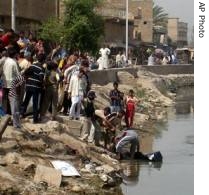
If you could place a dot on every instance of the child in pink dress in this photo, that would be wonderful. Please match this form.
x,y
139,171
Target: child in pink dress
x,y
130,104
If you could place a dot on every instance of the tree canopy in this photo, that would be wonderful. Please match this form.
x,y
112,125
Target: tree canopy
x,y
53,30
81,27
160,17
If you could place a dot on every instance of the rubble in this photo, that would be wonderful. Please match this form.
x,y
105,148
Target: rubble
x,y
49,175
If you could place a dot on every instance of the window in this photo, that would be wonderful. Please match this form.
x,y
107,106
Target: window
x,y
2,19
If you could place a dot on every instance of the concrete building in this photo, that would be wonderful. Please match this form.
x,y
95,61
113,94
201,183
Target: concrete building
x,y
29,13
159,35
114,14
143,19
140,21
177,31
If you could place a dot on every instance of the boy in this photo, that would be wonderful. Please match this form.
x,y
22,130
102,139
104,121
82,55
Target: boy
x,y
116,98
130,104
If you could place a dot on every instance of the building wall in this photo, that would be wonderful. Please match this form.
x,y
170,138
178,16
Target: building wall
x,y
28,12
142,24
110,75
177,31
113,35
172,29
31,13
182,34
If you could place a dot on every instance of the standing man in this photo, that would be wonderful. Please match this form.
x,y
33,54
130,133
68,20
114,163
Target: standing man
x,y
34,85
10,72
123,60
118,60
151,60
88,127
104,52
14,98
76,92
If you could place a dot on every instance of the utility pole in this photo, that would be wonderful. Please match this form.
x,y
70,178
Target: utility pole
x,y
127,29
57,5
13,25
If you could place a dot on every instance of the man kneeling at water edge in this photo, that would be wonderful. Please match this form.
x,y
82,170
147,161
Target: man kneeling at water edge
x,y
128,136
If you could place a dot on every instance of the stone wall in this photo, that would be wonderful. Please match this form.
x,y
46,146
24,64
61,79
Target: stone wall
x,y
170,69
103,77
28,13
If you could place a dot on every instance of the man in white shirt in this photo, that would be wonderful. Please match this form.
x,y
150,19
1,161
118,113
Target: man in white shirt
x,y
151,60
76,92
118,60
104,52
10,72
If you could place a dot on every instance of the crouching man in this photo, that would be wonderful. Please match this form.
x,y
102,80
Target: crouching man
x,y
127,137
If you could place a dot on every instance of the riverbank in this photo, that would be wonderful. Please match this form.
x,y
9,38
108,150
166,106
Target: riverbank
x,y
23,151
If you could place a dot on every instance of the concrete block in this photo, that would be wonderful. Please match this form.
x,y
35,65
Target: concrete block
x,y
50,175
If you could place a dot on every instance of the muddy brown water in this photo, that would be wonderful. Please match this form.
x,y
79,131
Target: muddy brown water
x,y
175,175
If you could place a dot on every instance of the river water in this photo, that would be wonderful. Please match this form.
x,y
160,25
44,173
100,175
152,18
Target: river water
x,y
175,175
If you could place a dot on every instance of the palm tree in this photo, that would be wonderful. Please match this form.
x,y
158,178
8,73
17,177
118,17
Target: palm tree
x,y
160,18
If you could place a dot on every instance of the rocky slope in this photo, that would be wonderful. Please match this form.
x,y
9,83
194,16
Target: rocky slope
x,y
22,152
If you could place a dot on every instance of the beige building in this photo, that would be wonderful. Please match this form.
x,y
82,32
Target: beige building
x,y
140,20
143,19
177,31
29,13
114,11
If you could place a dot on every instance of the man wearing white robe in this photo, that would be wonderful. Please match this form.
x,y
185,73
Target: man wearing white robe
x,y
104,63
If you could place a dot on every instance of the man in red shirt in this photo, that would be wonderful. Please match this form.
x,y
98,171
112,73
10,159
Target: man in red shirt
x,y
7,37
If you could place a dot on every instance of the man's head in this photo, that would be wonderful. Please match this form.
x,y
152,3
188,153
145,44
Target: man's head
x,y
131,92
41,57
85,65
21,34
52,65
121,113
81,73
107,110
10,32
115,85
11,52
91,95
72,59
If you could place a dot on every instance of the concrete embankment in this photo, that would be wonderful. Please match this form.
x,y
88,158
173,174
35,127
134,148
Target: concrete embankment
x,y
103,77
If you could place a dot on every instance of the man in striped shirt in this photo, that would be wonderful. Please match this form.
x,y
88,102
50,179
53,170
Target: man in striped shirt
x,y
34,85
14,99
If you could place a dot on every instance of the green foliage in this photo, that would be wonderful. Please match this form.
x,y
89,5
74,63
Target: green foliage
x,y
159,16
81,28
84,25
53,30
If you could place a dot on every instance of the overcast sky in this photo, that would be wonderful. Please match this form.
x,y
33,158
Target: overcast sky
x,y
183,9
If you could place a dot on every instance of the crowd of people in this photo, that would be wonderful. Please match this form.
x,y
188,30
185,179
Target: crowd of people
x,y
161,58
59,82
